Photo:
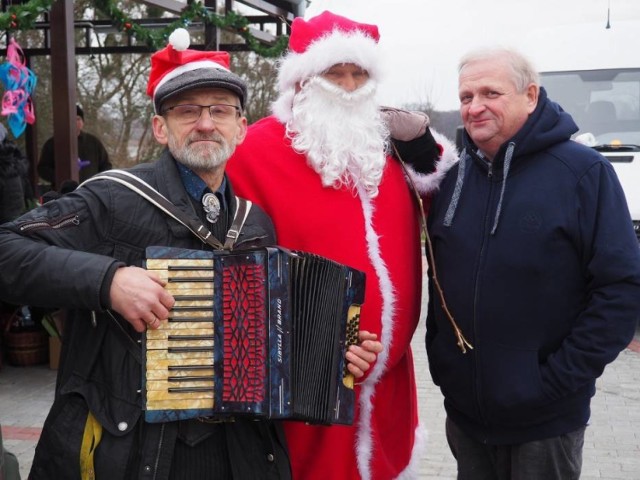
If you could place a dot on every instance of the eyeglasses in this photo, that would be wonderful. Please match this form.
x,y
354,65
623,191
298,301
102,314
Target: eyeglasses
x,y
186,114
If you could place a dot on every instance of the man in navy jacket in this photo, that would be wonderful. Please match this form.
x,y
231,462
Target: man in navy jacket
x,y
540,268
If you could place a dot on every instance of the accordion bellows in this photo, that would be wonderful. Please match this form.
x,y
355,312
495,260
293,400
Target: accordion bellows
x,y
260,332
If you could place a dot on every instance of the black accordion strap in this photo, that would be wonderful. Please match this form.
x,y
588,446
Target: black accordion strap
x,y
146,191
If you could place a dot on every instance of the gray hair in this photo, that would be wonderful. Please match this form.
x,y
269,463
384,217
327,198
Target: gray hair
x,y
524,73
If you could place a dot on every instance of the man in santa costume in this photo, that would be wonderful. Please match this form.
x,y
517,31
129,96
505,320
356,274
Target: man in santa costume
x,y
320,167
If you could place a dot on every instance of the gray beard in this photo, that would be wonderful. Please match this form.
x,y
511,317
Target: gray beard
x,y
202,159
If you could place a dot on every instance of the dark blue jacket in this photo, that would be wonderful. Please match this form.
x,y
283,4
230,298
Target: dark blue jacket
x,y
540,268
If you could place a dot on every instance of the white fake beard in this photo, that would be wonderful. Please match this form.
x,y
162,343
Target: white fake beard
x,y
341,133
201,158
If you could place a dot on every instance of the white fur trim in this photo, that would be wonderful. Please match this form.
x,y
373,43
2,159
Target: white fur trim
x,y
430,182
187,67
332,49
283,105
413,469
364,447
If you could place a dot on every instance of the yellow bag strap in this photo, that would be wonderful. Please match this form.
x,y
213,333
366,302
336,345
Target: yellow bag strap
x,y
90,440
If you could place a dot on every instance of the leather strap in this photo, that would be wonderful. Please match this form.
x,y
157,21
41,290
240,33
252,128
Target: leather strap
x,y
146,191
239,217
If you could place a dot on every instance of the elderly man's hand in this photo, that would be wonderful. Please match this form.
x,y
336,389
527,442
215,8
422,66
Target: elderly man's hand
x,y
361,356
139,296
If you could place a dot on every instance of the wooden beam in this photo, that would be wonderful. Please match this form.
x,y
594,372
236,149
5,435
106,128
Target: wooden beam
x,y
175,6
269,8
63,76
211,32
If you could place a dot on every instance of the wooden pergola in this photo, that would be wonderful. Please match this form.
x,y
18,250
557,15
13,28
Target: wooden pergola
x,y
272,19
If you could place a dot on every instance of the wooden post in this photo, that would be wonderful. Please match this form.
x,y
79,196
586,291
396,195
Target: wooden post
x,y
63,77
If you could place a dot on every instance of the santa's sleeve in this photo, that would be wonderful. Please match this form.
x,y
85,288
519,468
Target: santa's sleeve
x,y
427,154
428,159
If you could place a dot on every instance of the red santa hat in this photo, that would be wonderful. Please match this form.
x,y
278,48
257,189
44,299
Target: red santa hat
x,y
176,69
315,45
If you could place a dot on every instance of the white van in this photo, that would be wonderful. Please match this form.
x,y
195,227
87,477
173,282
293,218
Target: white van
x,y
606,106
600,87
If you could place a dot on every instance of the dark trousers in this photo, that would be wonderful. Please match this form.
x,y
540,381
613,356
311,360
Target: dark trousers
x,y
557,458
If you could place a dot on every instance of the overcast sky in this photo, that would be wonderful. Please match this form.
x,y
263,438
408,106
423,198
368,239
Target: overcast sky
x,y
422,40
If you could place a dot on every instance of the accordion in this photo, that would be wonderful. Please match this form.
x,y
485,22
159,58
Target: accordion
x,y
260,332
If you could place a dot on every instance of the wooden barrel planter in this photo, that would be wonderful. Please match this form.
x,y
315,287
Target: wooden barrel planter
x,y
25,348
24,345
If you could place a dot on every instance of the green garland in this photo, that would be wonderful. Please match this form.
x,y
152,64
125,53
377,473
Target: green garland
x,y
24,16
194,10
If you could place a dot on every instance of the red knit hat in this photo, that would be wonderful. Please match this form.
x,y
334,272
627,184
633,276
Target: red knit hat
x,y
175,69
315,45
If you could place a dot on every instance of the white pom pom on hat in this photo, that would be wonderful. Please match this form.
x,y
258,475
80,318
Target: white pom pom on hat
x,y
179,39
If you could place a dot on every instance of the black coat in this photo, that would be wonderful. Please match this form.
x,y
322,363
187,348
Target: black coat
x,y
64,254
91,152
13,181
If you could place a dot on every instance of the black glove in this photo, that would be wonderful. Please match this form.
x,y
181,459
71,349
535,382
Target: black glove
x,y
421,153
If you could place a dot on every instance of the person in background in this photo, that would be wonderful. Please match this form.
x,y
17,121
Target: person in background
x,y
537,259
13,177
15,188
321,168
67,186
84,252
92,156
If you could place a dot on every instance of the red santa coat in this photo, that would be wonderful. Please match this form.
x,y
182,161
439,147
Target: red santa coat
x,y
379,236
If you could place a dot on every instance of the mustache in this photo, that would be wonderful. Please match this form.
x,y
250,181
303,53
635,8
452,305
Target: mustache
x,y
329,88
206,137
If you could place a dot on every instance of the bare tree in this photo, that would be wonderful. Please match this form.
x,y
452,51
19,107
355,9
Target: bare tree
x,y
260,74
111,88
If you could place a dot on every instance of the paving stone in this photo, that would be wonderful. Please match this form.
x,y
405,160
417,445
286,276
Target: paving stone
x,y
612,441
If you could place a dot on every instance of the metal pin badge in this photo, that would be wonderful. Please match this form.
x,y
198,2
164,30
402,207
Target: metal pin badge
x,y
211,206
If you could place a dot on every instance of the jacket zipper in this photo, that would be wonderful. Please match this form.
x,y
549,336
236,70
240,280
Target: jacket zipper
x,y
160,442
476,290
64,222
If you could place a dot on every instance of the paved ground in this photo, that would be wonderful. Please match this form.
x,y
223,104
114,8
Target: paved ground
x,y
612,444
612,441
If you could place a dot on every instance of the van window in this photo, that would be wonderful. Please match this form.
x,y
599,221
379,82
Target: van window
x,y
605,103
